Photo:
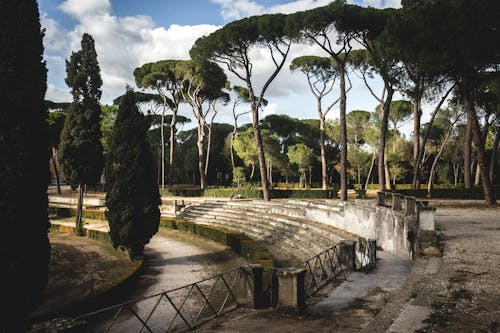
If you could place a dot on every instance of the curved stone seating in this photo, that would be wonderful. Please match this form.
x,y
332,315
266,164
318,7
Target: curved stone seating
x,y
282,224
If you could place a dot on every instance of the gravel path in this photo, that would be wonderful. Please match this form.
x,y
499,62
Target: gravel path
x,y
457,292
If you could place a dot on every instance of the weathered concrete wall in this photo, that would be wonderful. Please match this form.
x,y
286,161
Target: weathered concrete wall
x,y
394,230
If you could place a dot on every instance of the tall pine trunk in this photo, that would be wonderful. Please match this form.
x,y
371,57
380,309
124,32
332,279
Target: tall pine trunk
x,y
468,153
383,137
201,155
162,134
489,195
420,157
172,148
374,157
416,141
260,152
493,159
343,135
324,181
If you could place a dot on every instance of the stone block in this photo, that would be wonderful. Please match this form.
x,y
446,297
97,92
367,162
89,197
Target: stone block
x,y
291,292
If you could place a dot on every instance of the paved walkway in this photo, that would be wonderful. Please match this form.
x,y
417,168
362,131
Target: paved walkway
x,y
389,275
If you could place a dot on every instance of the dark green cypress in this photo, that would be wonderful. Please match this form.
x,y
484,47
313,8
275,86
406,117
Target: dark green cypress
x,y
24,173
133,199
80,148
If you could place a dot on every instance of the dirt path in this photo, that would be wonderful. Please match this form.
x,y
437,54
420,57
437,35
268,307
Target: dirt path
x,y
173,259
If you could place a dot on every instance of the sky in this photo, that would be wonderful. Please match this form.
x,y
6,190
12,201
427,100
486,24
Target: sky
x,y
130,33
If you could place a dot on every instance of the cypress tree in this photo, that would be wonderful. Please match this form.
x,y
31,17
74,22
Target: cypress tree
x,y
80,148
132,196
24,245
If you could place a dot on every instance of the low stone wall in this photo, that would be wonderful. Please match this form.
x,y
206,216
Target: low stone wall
x,y
393,222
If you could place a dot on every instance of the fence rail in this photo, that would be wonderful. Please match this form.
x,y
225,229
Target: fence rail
x,y
175,310
335,262
321,269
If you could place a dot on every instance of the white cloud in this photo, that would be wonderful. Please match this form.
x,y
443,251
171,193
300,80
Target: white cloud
x,y
271,108
57,94
231,9
79,8
381,3
122,43
237,9
55,37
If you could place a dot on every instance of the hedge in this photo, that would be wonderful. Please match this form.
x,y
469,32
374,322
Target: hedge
x,y
181,192
244,192
449,193
94,214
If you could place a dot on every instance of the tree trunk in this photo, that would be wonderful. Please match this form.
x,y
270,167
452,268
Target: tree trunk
x,y
493,159
162,134
231,149
467,153
172,148
359,175
489,195
416,140
388,184
434,163
383,137
252,172
477,176
324,182
374,157
421,150
201,155
56,171
79,211
456,169
270,175
260,152
209,143
343,135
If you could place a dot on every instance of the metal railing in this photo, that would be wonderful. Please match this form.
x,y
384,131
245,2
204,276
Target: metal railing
x,y
322,268
336,262
175,310
366,254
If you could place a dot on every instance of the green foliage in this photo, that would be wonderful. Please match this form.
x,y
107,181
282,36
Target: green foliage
x,y
244,192
448,193
80,148
301,155
56,124
133,196
23,163
108,118
244,146
239,177
182,192
317,69
357,122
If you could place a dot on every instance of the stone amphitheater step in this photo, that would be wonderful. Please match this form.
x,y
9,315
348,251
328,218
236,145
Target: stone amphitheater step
x,y
284,227
258,208
274,223
260,230
293,248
